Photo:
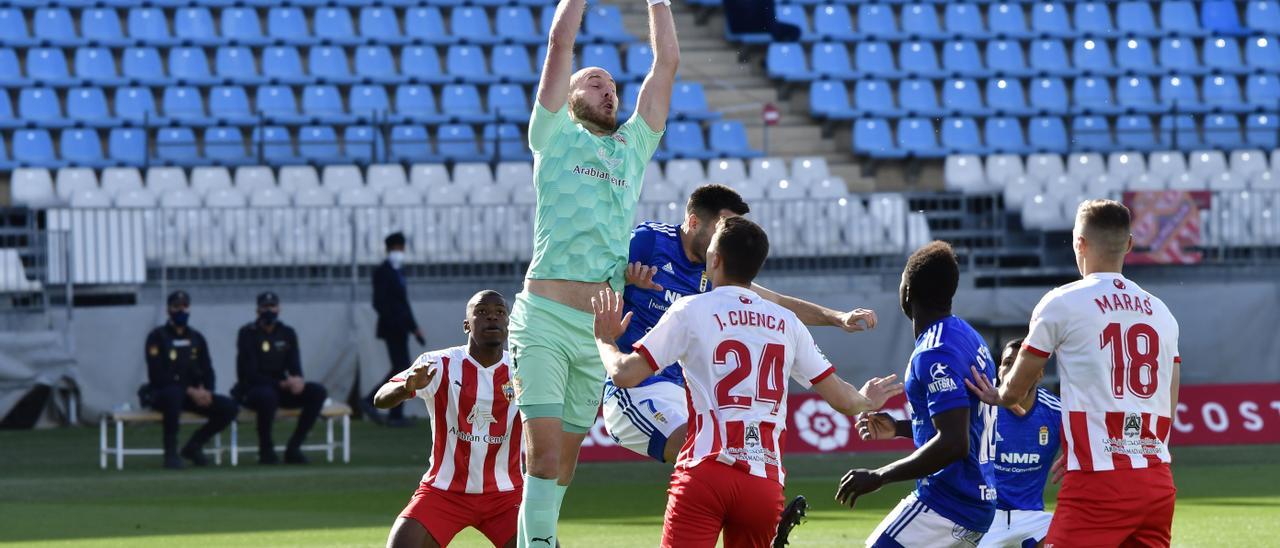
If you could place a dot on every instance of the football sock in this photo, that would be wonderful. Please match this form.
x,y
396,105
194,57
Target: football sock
x,y
538,514
560,491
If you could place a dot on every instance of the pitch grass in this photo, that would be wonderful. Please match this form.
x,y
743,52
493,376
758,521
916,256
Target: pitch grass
x,y
53,494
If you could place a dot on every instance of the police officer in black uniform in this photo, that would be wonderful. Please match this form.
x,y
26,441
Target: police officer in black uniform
x,y
270,376
180,377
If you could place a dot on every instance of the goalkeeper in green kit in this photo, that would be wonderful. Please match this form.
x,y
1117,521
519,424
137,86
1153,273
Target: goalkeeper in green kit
x,y
587,176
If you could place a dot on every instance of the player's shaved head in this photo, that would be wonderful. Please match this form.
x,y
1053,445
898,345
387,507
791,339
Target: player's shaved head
x,y
1105,224
930,278
488,296
593,99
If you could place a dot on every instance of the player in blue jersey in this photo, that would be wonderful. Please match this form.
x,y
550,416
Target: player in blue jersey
x,y
954,432
1025,447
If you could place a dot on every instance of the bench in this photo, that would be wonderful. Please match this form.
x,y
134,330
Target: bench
x,y
121,418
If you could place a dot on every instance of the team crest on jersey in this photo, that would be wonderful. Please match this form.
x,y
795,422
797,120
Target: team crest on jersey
x,y
752,437
1119,284
1044,435
480,417
744,300
516,385
619,137
508,391
1132,425
609,163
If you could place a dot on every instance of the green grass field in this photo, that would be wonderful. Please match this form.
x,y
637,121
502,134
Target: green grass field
x,y
53,494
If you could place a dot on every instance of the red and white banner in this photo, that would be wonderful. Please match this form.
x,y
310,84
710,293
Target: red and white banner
x,y
1213,414
1166,226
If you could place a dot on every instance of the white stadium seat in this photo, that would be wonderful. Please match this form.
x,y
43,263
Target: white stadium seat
x,y
251,178
964,172
161,180
749,190
268,197
1266,181
1003,168
1207,164
918,233
488,194
472,174
1104,186
1227,181
768,170
70,180
424,176
295,178
1084,166
526,195
785,189
1018,189
313,197
90,197
138,198
31,186
807,169
653,174
1042,211
443,195
1044,167
1165,165
384,176
1124,166
1246,164
357,196
225,198
1147,181
660,192
728,171
340,178
206,179
119,180
400,196
1187,181
831,187
683,172
515,174
1063,186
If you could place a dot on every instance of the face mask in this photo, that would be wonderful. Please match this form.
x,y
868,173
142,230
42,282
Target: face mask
x,y
396,258
179,318
267,317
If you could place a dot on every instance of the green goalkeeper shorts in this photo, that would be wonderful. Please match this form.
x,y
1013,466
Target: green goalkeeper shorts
x,y
558,372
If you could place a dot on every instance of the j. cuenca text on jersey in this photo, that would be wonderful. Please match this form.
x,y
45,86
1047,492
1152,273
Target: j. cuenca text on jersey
x,y
750,318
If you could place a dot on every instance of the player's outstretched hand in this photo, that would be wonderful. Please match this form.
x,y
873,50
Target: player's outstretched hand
x,y
420,376
987,392
1059,469
641,276
610,322
858,319
877,426
880,389
857,482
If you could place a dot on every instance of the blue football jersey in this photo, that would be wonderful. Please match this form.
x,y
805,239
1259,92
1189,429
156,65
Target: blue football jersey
x,y
1025,447
658,245
964,491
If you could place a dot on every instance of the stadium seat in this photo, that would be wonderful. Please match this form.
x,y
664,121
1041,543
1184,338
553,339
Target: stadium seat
x,y
1222,131
177,146
10,70
250,179
241,25
766,170
1180,17
831,61
194,25
1005,58
961,58
54,26
1179,132
1093,96
730,139
119,180
424,23
918,59
184,105
207,179
225,146
48,67
41,106
471,25
1262,53
457,142
277,105
369,101
508,103
81,147
150,26
1164,166
874,98
319,144
461,103
511,64
32,187
363,144
294,179
1263,131
510,142
792,14
685,140
1219,17
272,144
88,106
70,180
127,146
1263,16
333,24
830,100
189,65
875,60
1045,167
689,102
1048,95
1135,133
1093,17
961,97
1049,57
467,63
1135,56
421,64
1179,94
920,21
1178,55
918,138
329,65
872,136
1085,166
1091,133
283,65
918,98
831,23
1050,19
1004,136
515,24
230,105
1006,20
729,171
424,176
960,136
1206,164
605,56
288,24
13,27
1135,18
1245,164
786,61
876,21
1136,94
375,64
384,176
323,103
236,64
1007,97
963,20
1093,57
684,173
417,104
604,24
1223,55
1222,94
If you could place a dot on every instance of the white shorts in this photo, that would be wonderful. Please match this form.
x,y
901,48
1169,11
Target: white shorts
x,y
912,524
1017,528
643,418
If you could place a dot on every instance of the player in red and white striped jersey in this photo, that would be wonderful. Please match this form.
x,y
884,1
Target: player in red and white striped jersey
x,y
1117,348
738,350
474,476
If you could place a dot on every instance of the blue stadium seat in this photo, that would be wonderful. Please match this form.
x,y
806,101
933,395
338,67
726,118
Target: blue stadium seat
x,y
288,23
1047,134
457,143
1222,94
184,105
1004,135
630,95
1049,57
961,97
374,63
794,14
1179,132
334,25
34,147
689,102
229,105
1223,55
1222,131
48,67
142,66
410,143
323,104
831,23
417,104
918,58
1094,18
241,25
871,136
508,102
98,66
329,64
729,139
962,58
1263,16
194,24
875,60
1179,17
515,24
1092,95
1135,56
1136,19
831,61
1262,90
874,98
1262,54
605,56
1179,94
369,101
964,20
127,145
136,105
225,146
917,137
277,105
829,100
13,28
467,64
1263,130
876,21
1219,17
1134,132
426,24
380,24
471,25
177,146
1008,97
1091,134
11,71
511,64
283,65
1005,58
960,136
1178,55
920,21
81,147
319,144
1136,94
53,25
461,103
638,61
1006,20
273,144
510,141
1048,96
685,140
422,64
150,26
1050,19
604,24
40,106
786,61
918,98
363,144
7,119
236,64
1093,56
190,65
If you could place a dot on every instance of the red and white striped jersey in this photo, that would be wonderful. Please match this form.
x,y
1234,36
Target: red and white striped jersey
x,y
476,442
1116,345
737,350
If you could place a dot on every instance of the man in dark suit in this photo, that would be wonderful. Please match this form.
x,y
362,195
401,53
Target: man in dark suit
x,y
395,321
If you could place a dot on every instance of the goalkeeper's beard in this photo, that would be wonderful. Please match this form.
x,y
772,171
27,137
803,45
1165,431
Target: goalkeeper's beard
x,y
584,112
